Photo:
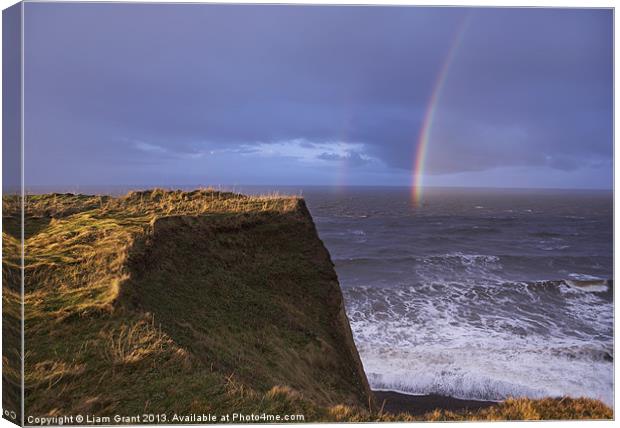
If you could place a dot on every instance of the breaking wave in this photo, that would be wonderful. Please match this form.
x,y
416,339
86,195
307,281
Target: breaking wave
x,y
487,342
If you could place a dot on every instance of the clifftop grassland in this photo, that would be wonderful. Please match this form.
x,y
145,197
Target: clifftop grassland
x,y
190,302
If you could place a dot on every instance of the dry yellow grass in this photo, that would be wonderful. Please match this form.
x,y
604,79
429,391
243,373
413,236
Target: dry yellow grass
x,y
134,342
106,333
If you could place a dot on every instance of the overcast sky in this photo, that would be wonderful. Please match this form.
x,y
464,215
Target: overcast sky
x,y
219,94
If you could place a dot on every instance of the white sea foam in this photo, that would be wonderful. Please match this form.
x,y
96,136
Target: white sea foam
x,y
485,342
460,265
553,246
484,372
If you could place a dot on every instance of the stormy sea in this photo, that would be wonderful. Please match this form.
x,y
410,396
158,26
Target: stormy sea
x,y
476,294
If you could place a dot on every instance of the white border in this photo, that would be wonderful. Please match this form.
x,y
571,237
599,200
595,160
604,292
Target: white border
x,y
481,3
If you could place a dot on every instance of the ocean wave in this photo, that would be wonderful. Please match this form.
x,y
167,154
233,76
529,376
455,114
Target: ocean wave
x,y
585,352
467,259
584,277
455,257
474,386
489,342
357,232
509,299
572,286
556,247
598,287
490,374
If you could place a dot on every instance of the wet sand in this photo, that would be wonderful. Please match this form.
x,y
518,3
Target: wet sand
x,y
396,402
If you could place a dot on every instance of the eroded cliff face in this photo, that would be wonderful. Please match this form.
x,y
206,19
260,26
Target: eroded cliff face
x,y
255,295
184,302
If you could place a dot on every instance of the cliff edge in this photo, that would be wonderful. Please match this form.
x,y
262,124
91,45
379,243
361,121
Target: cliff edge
x,y
183,302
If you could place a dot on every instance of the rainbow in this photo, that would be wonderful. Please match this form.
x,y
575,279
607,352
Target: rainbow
x,y
429,116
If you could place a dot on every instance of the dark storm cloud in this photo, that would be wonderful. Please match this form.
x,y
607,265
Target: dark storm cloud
x,y
350,158
536,93
109,85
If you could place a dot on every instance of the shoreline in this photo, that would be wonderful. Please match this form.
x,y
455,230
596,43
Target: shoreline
x,y
397,402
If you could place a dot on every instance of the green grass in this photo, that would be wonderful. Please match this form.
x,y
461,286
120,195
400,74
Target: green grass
x,y
182,302
189,302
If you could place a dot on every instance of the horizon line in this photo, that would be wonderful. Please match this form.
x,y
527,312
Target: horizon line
x,y
202,185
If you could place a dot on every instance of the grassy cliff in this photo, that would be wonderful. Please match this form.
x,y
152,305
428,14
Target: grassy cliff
x,y
182,302
188,302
